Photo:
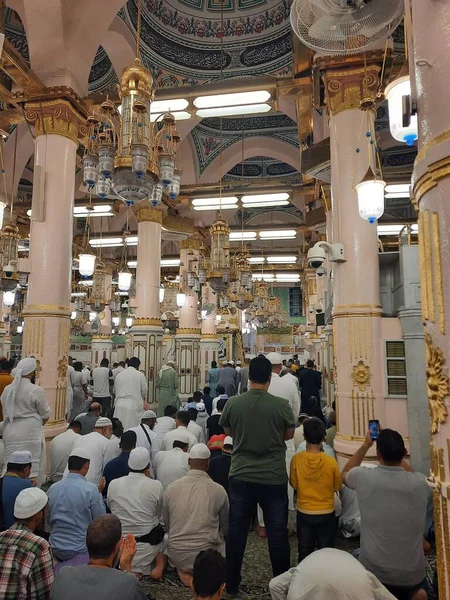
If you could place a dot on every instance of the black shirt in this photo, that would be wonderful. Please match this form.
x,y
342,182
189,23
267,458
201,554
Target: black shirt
x,y
219,468
213,426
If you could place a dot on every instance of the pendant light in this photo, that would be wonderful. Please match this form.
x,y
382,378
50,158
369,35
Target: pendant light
x,y
402,123
370,192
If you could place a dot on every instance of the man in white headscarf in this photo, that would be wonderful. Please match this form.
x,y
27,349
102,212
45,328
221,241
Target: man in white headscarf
x,y
167,385
25,412
328,574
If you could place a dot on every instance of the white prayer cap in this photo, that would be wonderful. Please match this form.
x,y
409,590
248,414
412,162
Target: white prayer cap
x,y
81,453
231,362
228,441
103,422
148,414
275,358
200,406
139,459
225,362
181,435
24,367
29,502
200,451
21,457
239,362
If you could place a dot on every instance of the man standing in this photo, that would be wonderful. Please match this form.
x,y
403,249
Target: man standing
x,y
95,443
101,377
73,503
167,385
173,464
182,420
392,500
219,466
131,390
212,424
166,423
243,377
60,448
118,368
89,419
147,438
194,428
26,562
118,467
310,384
207,522
15,480
259,424
228,379
284,387
137,501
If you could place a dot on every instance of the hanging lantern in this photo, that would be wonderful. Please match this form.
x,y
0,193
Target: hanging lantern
x,y
2,212
116,321
402,123
90,169
9,250
86,264
166,169
103,187
370,196
157,194
161,294
139,158
92,316
124,280
73,315
129,322
98,293
9,298
174,187
220,269
202,276
106,159
181,300
191,279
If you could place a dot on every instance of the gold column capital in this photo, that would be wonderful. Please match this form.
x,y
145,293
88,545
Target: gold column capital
x,y
145,212
347,89
192,242
56,117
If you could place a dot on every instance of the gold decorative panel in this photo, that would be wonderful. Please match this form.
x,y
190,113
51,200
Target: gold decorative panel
x,y
438,384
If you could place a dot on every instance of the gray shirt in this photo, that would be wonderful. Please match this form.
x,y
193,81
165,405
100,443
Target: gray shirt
x,y
393,504
73,583
88,422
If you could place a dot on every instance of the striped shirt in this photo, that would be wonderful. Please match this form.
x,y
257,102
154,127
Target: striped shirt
x,y
26,565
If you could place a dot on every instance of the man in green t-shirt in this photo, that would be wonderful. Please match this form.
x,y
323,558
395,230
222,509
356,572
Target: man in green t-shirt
x,y
259,424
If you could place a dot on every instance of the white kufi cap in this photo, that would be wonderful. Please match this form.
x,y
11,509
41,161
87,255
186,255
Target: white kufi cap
x,y
29,502
21,457
139,459
275,358
228,441
200,451
103,422
181,435
81,453
148,414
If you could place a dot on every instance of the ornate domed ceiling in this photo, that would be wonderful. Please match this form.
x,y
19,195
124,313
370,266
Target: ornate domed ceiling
x,y
263,167
256,38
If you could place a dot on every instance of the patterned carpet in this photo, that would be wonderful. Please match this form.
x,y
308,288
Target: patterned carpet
x,y
256,572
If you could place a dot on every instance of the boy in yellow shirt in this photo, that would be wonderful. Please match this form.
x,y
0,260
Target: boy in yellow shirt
x,y
315,476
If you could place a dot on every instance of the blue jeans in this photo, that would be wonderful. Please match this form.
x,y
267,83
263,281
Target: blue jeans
x,y
244,497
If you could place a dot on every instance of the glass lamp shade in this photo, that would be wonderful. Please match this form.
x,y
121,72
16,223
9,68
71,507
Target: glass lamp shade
x,y
371,197
181,300
19,328
106,160
103,187
116,321
92,316
129,322
174,187
8,298
90,169
86,264
124,281
161,294
157,194
401,129
139,158
73,315
166,169
130,188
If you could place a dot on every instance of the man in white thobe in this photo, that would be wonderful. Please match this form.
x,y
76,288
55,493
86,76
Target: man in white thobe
x,y
284,387
166,423
131,392
147,438
173,464
71,382
95,443
60,448
182,420
204,525
137,501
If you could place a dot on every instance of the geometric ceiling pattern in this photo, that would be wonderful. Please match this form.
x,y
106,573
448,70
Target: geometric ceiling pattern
x,y
263,167
209,141
256,39
15,33
102,78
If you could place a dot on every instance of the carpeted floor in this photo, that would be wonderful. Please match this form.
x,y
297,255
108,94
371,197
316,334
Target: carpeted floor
x,y
256,572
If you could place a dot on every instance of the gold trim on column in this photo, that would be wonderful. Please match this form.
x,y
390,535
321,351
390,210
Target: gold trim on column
x,y
193,242
438,384
428,266
210,336
347,89
55,117
189,331
423,267
152,322
442,137
361,375
440,548
145,212
435,172
438,264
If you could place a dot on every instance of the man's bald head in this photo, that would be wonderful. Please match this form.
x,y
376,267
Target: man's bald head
x,y
95,408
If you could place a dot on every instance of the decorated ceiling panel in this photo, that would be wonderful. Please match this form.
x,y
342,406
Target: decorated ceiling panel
x,y
102,78
209,141
15,33
263,167
181,39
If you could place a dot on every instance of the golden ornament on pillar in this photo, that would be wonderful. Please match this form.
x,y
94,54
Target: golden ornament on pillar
x,y
361,375
438,384
62,367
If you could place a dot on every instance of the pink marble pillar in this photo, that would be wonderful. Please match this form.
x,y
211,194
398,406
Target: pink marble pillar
x,y
147,332
209,342
431,189
47,312
358,373
188,332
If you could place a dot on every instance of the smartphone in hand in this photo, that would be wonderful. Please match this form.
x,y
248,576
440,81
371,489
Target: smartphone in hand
x,y
374,428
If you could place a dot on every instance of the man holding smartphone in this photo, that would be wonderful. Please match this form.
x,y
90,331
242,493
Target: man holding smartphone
x,y
392,501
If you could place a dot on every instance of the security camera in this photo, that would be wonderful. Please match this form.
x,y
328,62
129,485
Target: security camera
x,y
9,270
320,271
317,254
311,309
319,308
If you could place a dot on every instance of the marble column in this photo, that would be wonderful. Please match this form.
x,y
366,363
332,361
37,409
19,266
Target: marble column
x,y
147,331
358,372
209,342
188,332
47,312
431,189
